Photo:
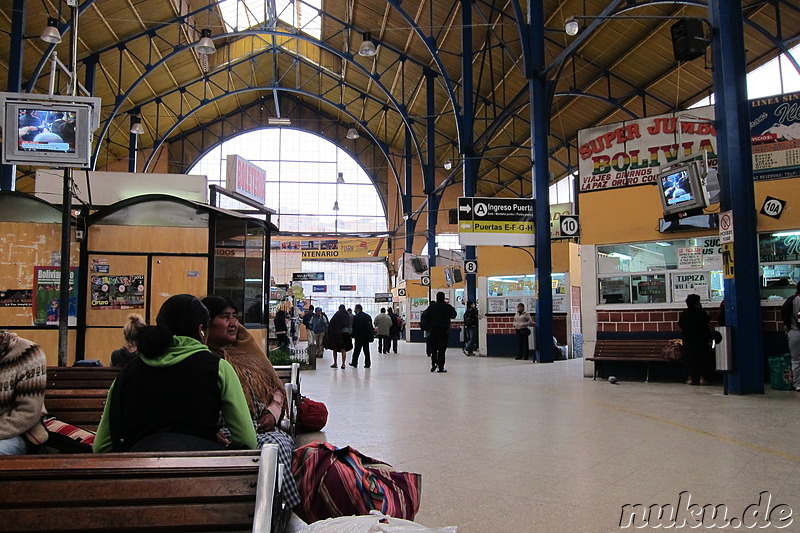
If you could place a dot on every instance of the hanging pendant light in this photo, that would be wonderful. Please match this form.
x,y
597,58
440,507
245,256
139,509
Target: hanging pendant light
x,y
50,33
367,48
205,45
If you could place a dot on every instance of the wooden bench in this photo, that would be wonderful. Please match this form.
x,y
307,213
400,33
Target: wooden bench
x,y
290,377
647,351
168,491
77,395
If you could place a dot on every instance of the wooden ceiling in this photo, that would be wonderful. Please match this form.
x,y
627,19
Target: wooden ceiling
x,y
141,57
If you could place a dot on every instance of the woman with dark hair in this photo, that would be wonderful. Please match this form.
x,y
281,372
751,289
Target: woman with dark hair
x,y
338,337
281,332
170,398
262,387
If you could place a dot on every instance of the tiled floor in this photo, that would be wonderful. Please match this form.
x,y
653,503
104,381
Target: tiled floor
x,y
511,446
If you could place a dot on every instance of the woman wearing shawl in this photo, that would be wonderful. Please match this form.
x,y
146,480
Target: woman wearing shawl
x,y
263,389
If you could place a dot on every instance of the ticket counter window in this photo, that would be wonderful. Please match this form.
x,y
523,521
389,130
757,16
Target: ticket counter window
x,y
649,289
779,273
616,290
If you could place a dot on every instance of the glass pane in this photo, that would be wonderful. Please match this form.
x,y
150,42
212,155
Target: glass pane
x,y
778,282
649,289
783,246
615,290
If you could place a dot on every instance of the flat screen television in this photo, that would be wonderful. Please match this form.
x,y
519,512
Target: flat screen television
x,y
48,131
680,188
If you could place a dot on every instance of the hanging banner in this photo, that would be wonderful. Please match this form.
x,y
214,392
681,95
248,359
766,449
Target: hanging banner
x,y
367,249
118,292
47,292
631,153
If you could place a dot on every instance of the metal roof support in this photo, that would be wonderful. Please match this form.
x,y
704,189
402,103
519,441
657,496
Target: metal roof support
x,y
409,189
742,293
470,167
540,121
8,172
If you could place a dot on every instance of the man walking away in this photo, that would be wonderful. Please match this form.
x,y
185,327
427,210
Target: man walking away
x,y
363,335
439,315
383,323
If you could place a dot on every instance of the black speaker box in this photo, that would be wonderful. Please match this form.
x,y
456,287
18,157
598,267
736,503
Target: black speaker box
x,y
688,39
457,277
419,264
452,216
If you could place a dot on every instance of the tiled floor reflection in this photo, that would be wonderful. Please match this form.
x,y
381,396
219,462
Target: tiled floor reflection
x,y
511,446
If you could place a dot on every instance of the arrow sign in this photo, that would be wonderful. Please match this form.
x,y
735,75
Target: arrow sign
x,y
465,208
495,221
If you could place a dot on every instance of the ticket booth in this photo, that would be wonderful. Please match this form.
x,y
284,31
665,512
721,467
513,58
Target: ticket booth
x,y
140,251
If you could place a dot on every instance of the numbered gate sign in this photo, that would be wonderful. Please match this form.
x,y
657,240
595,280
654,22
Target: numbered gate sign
x,y
773,207
471,266
425,281
569,225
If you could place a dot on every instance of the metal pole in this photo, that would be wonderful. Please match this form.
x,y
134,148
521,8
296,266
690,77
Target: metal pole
x,y
63,298
15,51
540,119
470,164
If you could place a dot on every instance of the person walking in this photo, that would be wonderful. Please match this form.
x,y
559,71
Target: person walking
x,y
395,329
281,331
338,336
363,335
317,327
523,324
383,325
789,315
697,355
439,315
470,328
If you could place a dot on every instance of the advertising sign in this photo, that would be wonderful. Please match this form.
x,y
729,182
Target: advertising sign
x,y
16,298
383,297
118,292
366,249
308,276
319,288
47,292
632,152
685,284
246,178
495,221
775,136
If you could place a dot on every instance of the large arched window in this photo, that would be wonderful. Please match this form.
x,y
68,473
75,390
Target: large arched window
x,y
307,178
315,187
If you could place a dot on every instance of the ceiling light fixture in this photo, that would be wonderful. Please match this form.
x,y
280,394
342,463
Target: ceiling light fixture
x,y
448,164
352,133
340,178
205,45
571,26
367,48
278,121
136,126
51,34
336,205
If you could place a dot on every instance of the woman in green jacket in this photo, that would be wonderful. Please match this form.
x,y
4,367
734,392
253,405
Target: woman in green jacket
x,y
171,398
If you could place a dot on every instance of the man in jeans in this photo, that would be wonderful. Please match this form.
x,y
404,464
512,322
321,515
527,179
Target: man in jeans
x,y
317,326
470,328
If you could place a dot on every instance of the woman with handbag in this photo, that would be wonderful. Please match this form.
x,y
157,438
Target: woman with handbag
x,y
523,324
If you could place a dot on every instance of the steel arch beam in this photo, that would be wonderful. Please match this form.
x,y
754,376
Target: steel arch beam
x,y
180,49
161,140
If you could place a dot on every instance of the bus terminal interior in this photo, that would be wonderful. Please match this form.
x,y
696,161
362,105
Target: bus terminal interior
x,y
595,161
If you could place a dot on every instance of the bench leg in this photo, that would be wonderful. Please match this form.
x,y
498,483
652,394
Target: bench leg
x,y
647,375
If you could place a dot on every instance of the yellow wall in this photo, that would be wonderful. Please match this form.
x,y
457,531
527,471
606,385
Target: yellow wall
x,y
631,214
501,261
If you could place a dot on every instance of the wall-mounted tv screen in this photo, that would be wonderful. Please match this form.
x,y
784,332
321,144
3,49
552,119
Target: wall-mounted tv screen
x,y
680,188
48,131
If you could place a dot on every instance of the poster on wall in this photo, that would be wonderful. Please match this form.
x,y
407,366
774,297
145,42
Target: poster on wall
x,y
495,304
47,292
690,257
685,284
16,298
118,292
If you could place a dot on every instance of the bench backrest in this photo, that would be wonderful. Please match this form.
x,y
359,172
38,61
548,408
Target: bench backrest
x,y
77,395
168,491
630,348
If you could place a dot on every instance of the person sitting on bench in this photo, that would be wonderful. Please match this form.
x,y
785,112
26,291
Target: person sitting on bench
x,y
170,398
23,378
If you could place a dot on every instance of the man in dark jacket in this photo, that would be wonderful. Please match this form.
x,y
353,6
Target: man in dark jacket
x,y
363,335
439,315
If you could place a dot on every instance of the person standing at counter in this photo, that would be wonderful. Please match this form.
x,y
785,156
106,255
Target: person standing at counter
x,y
699,359
523,324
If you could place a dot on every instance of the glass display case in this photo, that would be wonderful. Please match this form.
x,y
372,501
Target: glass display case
x,y
241,267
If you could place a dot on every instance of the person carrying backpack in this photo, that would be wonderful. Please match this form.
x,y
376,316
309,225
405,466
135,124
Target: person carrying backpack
x,y
789,312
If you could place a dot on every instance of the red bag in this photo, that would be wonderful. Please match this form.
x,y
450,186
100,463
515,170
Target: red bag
x,y
312,416
337,482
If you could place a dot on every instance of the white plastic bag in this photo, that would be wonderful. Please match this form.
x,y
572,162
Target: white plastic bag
x,y
371,523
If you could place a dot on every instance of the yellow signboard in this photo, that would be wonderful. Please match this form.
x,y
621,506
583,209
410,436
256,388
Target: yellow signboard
x,y
333,249
727,260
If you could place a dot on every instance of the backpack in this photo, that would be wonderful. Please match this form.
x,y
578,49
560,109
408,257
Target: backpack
x,y
312,416
787,312
398,322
